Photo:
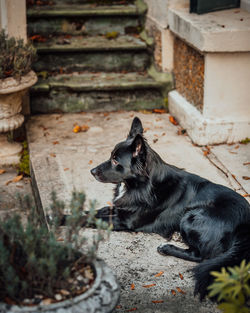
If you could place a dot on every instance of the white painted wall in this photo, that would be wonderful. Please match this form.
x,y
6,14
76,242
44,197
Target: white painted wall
x,y
227,86
245,5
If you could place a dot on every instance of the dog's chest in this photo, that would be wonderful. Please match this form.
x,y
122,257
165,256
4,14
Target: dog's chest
x,y
119,192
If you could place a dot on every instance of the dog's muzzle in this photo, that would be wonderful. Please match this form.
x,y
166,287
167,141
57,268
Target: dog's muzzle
x,y
97,174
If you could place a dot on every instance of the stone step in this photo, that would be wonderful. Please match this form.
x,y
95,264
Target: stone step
x,y
97,92
84,19
92,53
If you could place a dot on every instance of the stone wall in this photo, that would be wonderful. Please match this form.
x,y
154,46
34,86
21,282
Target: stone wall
x,y
189,73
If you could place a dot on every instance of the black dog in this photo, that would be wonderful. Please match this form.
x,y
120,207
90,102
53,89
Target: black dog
x,y
155,197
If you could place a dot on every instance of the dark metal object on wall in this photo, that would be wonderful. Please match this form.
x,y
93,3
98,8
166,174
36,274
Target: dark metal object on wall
x,y
205,6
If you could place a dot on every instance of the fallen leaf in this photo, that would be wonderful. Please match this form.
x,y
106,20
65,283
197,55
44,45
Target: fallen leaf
x,y
159,111
8,182
105,114
64,292
173,292
53,155
149,286
246,177
206,152
66,169
246,195
180,290
109,203
157,301
246,163
9,301
234,177
90,162
173,120
132,287
155,140
131,310
236,147
48,301
2,171
181,276
17,178
55,142
159,274
145,111
77,129
84,128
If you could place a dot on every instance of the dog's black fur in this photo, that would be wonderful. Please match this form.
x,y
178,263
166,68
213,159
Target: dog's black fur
x,y
213,220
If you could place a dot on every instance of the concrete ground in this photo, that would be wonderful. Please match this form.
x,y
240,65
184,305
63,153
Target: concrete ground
x,y
61,161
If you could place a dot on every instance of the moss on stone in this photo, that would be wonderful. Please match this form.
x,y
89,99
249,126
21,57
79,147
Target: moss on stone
x,y
23,166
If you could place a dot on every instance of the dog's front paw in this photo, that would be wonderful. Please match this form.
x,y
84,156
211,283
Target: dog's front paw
x,y
164,249
104,212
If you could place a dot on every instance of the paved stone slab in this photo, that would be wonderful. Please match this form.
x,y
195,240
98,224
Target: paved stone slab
x,y
10,190
236,158
83,10
91,43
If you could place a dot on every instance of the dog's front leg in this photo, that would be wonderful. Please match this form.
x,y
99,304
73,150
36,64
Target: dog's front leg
x,y
111,216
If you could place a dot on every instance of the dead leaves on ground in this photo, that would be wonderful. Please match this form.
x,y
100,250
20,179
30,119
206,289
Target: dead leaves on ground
x,y
159,274
2,171
14,180
181,276
83,128
149,286
173,120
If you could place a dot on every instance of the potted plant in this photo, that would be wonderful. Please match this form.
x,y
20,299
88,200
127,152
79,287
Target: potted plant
x,y
54,270
16,77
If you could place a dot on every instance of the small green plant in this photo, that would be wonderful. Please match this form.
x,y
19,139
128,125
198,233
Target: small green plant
x,y
232,288
37,263
245,141
23,166
16,57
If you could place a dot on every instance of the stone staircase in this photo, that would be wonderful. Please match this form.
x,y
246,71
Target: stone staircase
x,y
91,57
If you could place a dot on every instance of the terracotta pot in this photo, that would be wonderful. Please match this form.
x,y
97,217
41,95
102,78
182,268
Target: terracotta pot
x,y
102,297
11,95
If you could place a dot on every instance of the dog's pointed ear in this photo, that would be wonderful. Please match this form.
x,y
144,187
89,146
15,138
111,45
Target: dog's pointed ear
x,y
136,128
138,145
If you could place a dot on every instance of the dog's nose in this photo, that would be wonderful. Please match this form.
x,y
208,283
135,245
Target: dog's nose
x,y
93,171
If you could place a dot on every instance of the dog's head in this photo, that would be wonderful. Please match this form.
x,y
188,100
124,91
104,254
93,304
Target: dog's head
x,y
127,160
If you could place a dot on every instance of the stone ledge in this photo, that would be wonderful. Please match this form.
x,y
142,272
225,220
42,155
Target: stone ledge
x,y
222,31
206,131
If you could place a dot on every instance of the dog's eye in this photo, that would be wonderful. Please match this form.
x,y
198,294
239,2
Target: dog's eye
x,y
114,161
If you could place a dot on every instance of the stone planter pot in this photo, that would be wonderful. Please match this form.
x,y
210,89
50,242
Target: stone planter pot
x,y
11,95
102,297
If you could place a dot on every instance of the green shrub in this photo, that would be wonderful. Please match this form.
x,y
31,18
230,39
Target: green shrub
x,y
36,261
16,57
232,288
